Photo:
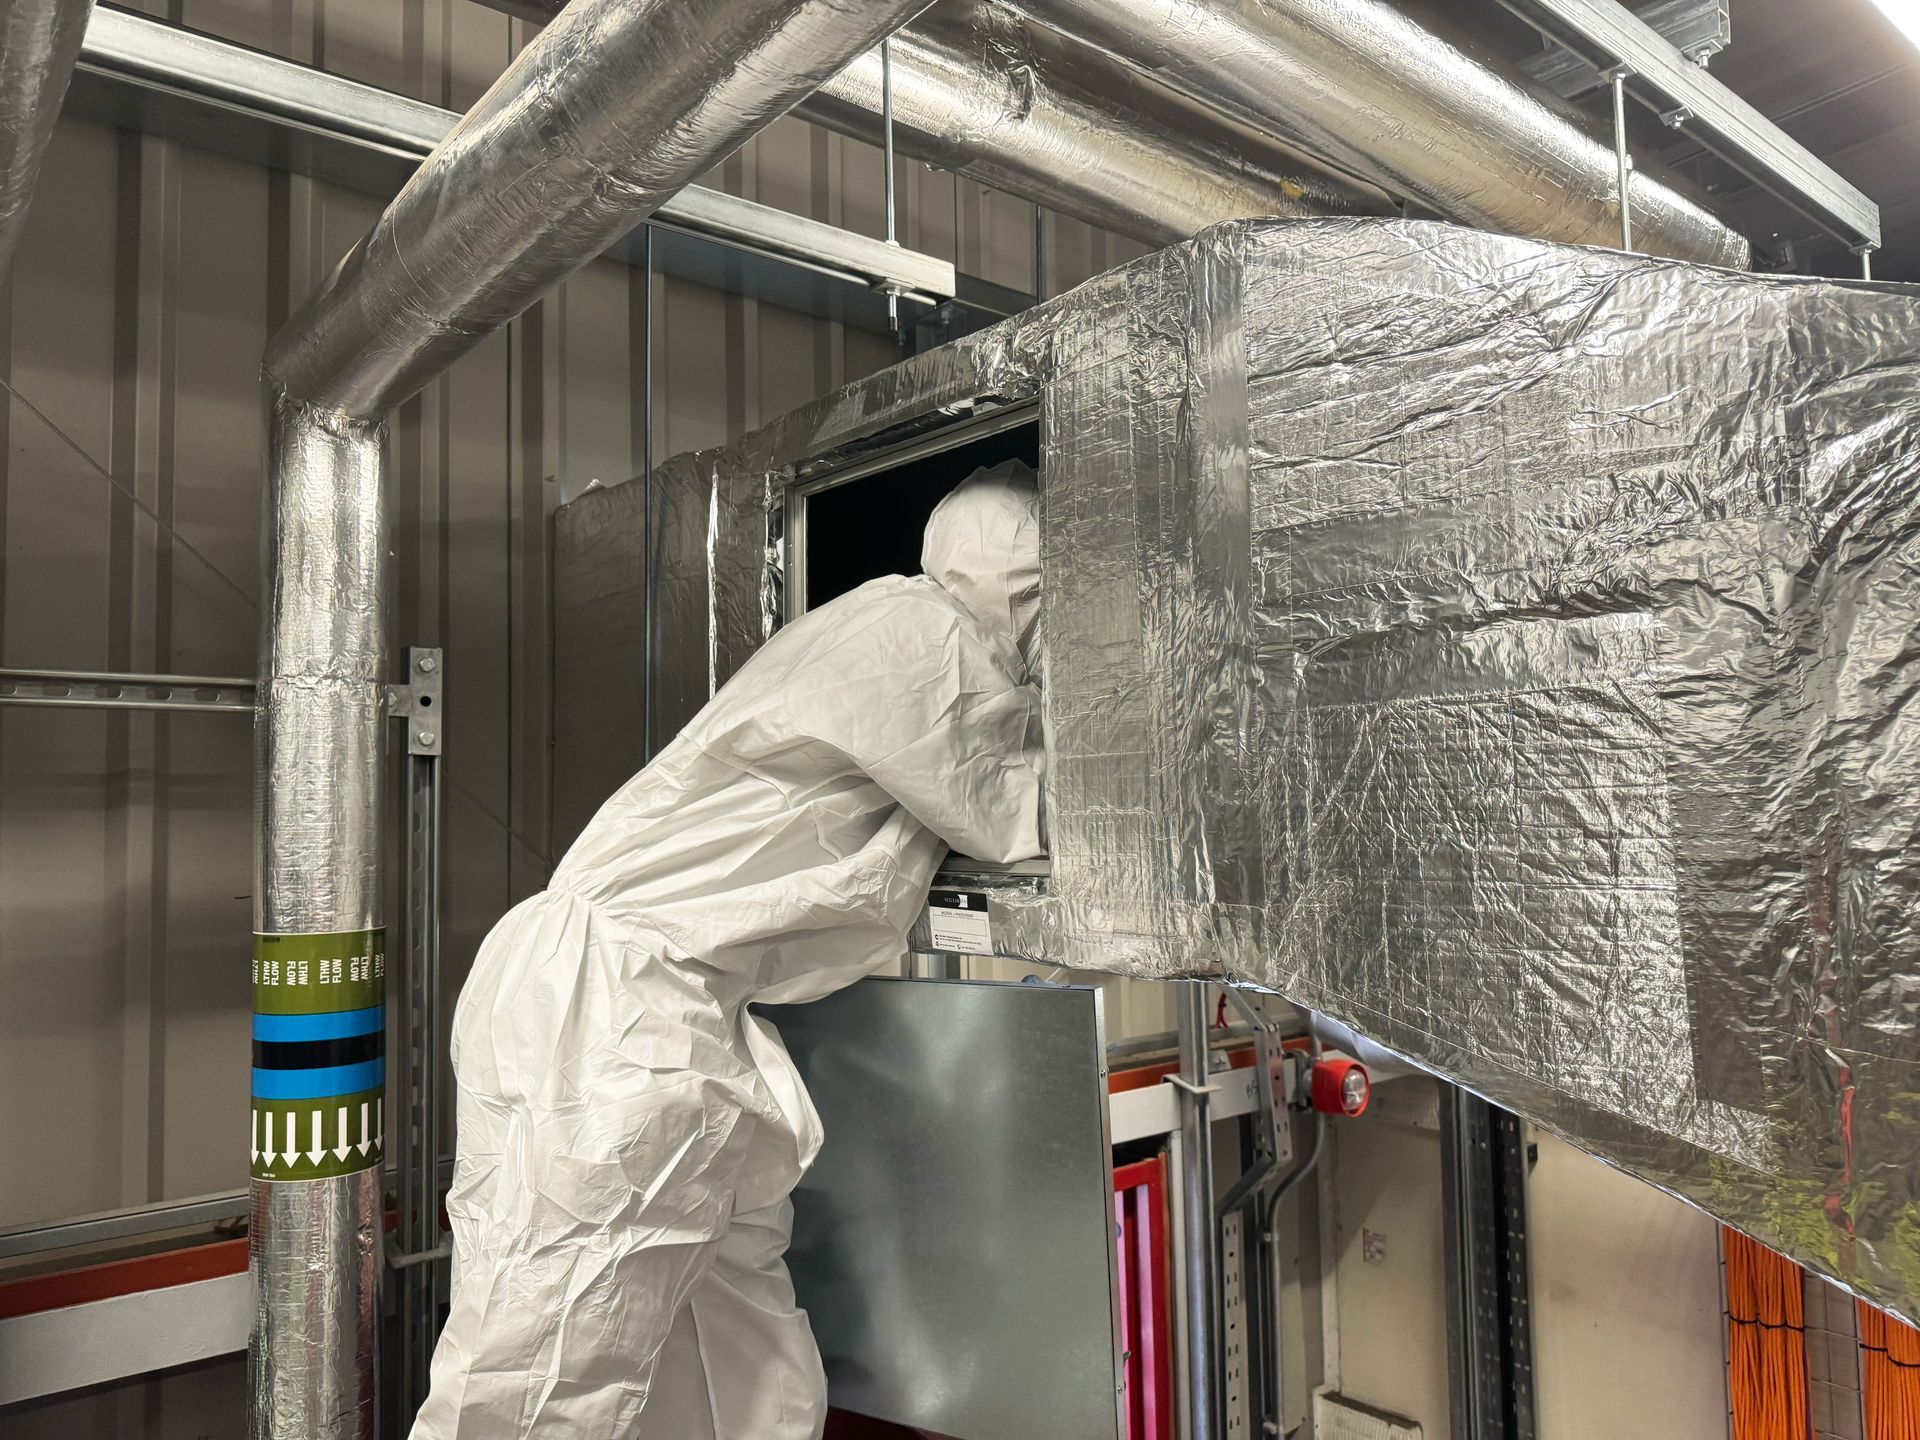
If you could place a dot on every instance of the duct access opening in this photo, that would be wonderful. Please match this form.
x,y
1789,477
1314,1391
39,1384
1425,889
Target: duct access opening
x,y
857,521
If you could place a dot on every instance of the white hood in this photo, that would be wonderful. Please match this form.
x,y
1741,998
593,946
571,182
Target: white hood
x,y
982,547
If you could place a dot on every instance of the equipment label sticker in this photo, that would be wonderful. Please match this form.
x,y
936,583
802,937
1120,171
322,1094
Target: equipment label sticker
x,y
957,921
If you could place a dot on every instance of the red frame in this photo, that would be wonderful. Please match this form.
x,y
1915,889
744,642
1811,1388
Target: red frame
x,y
1146,1310
58,1289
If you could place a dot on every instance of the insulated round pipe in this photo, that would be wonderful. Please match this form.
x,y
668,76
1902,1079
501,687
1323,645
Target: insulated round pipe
x,y
613,108
39,41
986,94
1360,85
1201,1256
319,937
604,116
978,91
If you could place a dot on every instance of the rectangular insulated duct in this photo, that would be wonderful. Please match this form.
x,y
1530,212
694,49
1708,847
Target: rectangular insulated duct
x,y
1508,648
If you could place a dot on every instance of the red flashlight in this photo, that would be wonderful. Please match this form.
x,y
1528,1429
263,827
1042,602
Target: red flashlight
x,y
1341,1087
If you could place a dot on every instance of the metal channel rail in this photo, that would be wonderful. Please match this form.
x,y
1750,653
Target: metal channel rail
x,y
198,1321
1639,61
114,690
146,75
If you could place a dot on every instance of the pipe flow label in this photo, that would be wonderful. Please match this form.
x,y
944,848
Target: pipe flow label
x,y
319,1054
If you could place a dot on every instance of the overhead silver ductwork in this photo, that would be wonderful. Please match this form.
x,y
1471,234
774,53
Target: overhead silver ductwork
x,y
979,91
1504,648
985,93
1300,106
1358,84
610,111
39,41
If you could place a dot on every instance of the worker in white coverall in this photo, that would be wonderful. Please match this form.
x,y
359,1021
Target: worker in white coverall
x,y
629,1132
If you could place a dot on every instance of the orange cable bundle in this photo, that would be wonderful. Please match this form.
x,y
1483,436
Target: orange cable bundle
x,y
1766,1342
1889,1375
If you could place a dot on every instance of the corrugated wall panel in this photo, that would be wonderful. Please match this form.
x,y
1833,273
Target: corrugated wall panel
x,y
61,1001
149,281
151,277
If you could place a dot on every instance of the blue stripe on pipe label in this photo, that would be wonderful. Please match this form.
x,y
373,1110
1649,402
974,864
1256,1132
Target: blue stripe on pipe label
x,y
319,1082
336,1026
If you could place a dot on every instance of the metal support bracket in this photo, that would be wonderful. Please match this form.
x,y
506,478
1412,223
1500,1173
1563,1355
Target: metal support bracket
x,y
1617,77
1180,1082
1607,34
419,1243
418,701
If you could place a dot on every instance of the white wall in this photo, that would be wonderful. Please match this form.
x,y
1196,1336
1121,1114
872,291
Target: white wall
x,y
1385,1181
1628,1333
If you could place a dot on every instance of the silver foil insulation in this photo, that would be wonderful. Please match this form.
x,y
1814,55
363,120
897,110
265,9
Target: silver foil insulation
x,y
1155,118
980,91
319,803
39,41
1506,648
1361,86
615,107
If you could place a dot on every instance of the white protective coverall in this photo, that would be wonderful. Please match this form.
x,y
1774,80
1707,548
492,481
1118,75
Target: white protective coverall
x,y
629,1133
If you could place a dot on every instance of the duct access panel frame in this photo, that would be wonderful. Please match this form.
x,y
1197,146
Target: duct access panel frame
x,y
791,532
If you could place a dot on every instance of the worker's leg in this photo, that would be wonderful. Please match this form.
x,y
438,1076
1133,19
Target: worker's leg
x,y
742,1363
601,1144
572,1261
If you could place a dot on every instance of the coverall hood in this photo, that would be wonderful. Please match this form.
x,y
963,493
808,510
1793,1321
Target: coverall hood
x,y
982,547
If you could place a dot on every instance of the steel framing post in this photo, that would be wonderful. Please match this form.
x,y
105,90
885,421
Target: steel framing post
x,y
1483,1159
419,1248
1201,1236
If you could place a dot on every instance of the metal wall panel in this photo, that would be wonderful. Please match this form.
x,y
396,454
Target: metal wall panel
x,y
131,454
130,467
952,1244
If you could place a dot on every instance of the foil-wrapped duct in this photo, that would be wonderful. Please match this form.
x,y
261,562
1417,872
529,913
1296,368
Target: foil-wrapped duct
x,y
982,92
615,107
1505,648
39,41
1359,84
979,91
319,807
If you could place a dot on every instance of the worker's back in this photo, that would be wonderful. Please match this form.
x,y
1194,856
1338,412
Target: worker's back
x,y
787,837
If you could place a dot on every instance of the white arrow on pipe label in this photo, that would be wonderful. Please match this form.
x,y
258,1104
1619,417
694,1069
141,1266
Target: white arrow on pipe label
x,y
317,1149
365,1144
341,1146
